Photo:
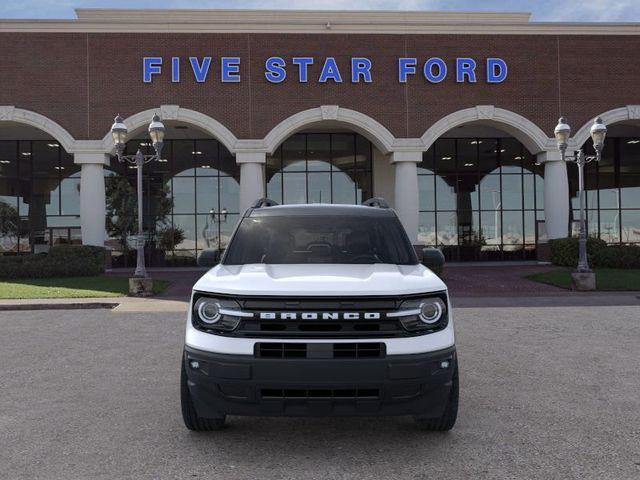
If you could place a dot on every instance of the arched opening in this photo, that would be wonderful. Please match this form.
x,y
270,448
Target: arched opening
x,y
321,165
39,190
327,155
612,186
481,195
191,198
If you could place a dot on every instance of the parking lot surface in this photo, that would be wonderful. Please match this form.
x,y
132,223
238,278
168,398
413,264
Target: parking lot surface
x,y
550,392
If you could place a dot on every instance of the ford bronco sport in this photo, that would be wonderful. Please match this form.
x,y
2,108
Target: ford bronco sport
x,y
319,310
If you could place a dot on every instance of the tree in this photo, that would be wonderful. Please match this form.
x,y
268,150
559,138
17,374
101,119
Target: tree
x,y
9,221
122,209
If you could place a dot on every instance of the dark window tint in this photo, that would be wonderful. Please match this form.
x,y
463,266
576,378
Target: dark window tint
x,y
343,239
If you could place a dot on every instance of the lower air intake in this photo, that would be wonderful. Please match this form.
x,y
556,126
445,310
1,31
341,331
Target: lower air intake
x,y
320,394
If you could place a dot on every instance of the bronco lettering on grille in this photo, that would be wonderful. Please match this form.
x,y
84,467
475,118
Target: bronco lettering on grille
x,y
320,316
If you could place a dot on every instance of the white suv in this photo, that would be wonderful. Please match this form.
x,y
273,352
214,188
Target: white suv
x,y
319,310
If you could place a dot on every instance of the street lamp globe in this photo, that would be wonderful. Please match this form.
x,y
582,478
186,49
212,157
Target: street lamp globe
x,y
562,133
598,133
119,133
156,132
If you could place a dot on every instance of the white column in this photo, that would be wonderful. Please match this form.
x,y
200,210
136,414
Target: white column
x,y
92,197
251,177
556,194
406,190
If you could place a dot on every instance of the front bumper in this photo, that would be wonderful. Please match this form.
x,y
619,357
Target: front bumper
x,y
414,384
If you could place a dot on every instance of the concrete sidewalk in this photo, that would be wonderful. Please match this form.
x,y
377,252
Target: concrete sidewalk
x,y
117,304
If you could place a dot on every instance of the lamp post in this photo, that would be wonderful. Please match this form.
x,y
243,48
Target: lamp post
x,y
211,231
562,133
119,133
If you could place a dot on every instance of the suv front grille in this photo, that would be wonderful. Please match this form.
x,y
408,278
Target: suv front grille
x,y
320,328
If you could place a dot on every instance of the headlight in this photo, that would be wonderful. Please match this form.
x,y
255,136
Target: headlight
x,y
431,310
428,313
210,313
208,310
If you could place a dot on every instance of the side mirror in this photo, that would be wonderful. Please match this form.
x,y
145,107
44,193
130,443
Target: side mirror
x,y
433,259
209,258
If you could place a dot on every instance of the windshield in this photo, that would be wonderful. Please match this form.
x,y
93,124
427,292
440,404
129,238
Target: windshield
x,y
345,239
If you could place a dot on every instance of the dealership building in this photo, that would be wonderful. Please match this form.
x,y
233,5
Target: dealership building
x,y
448,116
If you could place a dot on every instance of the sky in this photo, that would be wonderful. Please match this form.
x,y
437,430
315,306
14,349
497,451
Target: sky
x,y
542,10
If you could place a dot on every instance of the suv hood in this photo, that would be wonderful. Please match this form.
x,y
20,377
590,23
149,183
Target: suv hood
x,y
319,279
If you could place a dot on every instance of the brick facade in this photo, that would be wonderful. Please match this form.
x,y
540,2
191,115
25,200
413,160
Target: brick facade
x,y
80,80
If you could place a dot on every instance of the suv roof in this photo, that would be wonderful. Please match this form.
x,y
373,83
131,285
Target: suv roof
x,y
320,209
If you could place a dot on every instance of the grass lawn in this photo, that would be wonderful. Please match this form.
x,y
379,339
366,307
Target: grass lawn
x,y
71,287
607,279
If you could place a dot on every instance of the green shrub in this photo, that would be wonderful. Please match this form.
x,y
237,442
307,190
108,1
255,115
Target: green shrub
x,y
618,256
564,251
61,261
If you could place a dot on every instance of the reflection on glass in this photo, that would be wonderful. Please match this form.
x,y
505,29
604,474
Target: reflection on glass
x,y
490,198
207,195
188,224
630,196
512,192
293,153
426,188
320,187
295,188
321,167
319,152
229,194
512,230
447,228
427,229
529,227
183,195
445,195
274,188
630,223
610,225
70,196
343,188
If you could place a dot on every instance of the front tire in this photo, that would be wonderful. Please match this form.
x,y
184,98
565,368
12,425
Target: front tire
x,y
189,415
448,418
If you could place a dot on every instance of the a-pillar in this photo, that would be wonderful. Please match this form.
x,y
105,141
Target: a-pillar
x,y
92,197
251,177
406,200
556,194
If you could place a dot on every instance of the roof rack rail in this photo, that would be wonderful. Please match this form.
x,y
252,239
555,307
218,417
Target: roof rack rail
x,y
377,202
264,202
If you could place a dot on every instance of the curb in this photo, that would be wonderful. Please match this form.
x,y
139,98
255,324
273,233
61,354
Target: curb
x,y
57,306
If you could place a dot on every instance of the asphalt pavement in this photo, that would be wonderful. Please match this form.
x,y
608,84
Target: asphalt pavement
x,y
546,392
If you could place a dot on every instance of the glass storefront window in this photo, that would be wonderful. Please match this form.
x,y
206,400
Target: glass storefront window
x,y
612,188
320,168
39,196
480,198
188,190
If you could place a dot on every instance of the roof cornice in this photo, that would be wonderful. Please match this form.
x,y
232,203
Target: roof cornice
x,y
312,21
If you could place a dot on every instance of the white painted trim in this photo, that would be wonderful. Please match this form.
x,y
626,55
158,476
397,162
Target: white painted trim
x,y
308,21
9,113
177,113
629,112
358,122
531,136
295,16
